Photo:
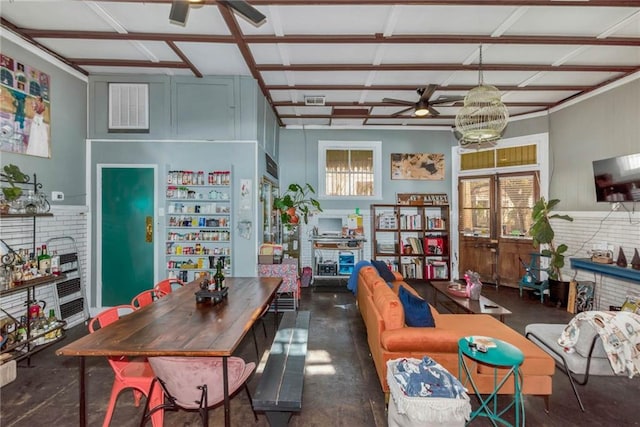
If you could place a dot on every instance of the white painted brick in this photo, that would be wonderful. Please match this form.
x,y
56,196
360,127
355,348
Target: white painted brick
x,y
620,229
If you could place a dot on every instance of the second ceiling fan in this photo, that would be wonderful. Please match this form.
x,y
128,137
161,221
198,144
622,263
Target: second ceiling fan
x,y
423,106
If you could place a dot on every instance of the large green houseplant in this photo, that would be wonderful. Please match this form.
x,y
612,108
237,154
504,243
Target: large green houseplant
x,y
544,237
296,202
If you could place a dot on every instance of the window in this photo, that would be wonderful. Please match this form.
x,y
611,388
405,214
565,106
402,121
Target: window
x,y
349,170
518,194
475,205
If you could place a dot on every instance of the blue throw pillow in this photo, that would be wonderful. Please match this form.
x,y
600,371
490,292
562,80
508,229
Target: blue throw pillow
x,y
416,310
383,270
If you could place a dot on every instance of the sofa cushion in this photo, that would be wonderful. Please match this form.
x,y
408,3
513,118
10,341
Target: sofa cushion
x,y
383,270
389,307
416,310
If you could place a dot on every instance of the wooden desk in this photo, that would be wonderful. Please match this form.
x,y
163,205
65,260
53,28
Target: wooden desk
x,y
455,304
176,326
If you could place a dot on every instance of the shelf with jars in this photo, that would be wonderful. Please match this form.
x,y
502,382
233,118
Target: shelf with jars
x,y
198,223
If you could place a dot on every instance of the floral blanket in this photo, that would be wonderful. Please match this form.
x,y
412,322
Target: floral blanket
x,y
620,335
425,391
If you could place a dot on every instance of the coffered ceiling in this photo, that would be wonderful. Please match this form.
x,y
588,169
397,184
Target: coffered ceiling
x,y
344,57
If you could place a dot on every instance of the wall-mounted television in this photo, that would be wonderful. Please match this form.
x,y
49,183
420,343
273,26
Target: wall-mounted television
x,y
617,179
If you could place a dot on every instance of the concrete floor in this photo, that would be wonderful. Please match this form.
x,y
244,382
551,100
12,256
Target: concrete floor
x,y
341,386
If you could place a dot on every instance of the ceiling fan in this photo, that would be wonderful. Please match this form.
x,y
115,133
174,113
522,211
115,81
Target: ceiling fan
x,y
423,106
180,10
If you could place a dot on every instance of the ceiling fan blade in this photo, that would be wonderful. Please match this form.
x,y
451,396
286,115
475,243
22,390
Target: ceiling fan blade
x,y
179,12
398,113
445,100
246,10
397,101
432,111
428,91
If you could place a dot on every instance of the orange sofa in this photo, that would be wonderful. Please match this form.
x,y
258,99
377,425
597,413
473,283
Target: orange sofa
x,y
389,338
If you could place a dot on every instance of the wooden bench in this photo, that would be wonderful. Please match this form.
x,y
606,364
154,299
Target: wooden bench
x,y
279,392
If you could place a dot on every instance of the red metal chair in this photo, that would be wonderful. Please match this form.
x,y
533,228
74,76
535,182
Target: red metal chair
x,y
167,285
145,298
135,374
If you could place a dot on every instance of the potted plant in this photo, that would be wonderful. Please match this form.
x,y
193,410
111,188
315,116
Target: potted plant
x,y
296,202
12,174
543,236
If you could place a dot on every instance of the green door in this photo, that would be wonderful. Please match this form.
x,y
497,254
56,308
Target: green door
x,y
126,232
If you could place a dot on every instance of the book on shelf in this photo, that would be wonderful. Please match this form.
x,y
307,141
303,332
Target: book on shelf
x,y
436,223
434,245
412,269
416,245
387,221
410,222
386,247
435,269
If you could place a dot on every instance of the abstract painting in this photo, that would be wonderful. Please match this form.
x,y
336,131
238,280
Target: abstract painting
x,y
25,109
422,166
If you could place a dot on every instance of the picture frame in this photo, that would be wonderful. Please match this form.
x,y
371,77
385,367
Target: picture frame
x,y
418,166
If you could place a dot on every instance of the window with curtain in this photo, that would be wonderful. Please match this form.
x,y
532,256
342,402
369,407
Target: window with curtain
x,y
349,169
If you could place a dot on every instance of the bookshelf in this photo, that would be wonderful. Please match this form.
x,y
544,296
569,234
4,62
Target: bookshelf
x,y
412,239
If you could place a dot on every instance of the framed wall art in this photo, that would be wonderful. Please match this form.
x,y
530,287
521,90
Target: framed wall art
x,y
419,166
25,109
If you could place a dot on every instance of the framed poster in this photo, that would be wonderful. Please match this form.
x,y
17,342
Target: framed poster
x,y
25,109
420,166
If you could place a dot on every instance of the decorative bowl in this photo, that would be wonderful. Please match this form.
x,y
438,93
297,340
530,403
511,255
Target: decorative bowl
x,y
457,290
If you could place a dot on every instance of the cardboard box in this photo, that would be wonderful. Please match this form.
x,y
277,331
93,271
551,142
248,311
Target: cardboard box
x,y
269,259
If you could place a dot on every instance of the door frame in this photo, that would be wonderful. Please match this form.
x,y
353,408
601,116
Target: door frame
x,y
99,168
541,140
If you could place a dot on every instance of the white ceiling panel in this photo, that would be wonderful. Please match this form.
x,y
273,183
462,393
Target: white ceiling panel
x,y
53,15
450,19
573,78
568,20
318,19
216,58
417,78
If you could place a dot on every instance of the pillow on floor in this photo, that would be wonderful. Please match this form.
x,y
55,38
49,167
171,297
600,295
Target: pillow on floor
x,y
416,310
383,270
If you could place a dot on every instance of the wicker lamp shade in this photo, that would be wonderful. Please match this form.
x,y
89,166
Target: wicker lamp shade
x,y
484,117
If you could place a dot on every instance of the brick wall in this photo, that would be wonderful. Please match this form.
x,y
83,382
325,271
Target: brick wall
x,y
67,221
620,229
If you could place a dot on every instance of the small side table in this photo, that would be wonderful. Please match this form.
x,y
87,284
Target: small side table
x,y
503,355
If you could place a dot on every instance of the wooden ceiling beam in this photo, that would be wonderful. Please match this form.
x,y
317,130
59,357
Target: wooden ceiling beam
x,y
388,104
335,38
577,88
447,67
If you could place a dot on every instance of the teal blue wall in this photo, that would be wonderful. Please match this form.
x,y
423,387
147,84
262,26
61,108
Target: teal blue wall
x,y
65,170
299,159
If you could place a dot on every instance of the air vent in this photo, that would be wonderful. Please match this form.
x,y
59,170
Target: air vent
x,y
314,100
128,107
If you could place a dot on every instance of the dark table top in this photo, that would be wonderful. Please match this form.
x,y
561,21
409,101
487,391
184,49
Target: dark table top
x,y
482,306
175,325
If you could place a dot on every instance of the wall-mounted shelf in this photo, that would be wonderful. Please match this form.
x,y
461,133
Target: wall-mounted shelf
x,y
611,270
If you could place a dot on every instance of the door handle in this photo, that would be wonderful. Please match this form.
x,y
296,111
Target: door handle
x,y
149,229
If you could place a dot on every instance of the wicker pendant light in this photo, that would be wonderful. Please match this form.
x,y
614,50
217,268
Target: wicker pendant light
x,y
482,120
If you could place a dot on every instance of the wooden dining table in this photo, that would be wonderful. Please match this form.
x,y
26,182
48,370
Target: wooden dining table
x,y
175,325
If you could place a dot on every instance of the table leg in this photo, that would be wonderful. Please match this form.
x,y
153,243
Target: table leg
x,y
83,402
225,387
